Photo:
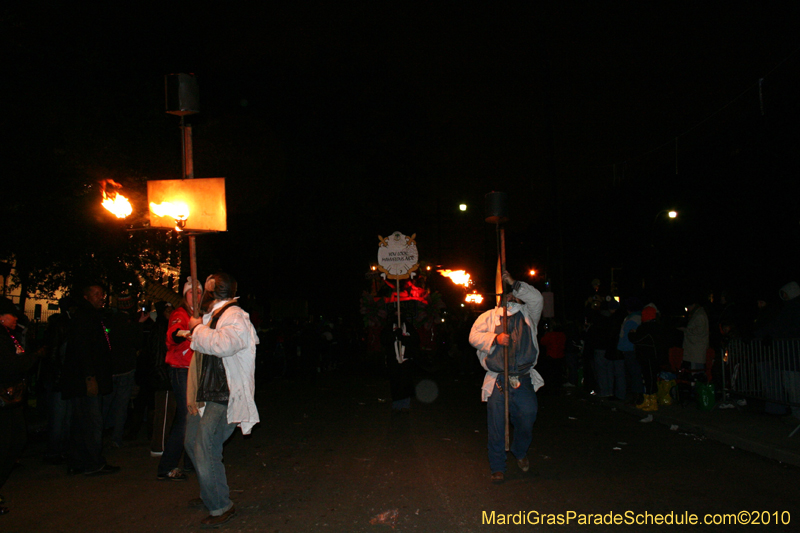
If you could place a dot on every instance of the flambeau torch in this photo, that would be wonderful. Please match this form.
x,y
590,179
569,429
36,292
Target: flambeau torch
x,y
461,277
114,201
497,214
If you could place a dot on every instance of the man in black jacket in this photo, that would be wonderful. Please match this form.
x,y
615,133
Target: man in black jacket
x,y
86,377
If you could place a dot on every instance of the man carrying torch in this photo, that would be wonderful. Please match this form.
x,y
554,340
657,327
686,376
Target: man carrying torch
x,y
524,310
220,391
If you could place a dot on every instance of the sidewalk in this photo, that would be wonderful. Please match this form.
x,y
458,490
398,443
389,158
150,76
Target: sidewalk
x,y
744,427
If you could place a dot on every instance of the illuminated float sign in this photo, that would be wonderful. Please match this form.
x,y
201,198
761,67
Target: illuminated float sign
x,y
398,257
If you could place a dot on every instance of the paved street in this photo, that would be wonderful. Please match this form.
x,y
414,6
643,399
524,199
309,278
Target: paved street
x,y
328,456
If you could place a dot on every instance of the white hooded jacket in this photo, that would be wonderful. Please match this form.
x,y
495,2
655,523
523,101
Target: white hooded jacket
x,y
483,334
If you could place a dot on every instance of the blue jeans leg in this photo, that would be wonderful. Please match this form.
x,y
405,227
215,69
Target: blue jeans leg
x,y
523,408
174,445
634,372
204,439
58,424
603,369
618,371
115,405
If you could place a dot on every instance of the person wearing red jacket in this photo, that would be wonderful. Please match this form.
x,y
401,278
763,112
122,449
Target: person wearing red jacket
x,y
179,356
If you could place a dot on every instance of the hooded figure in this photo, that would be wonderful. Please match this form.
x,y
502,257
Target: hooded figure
x,y
786,324
487,336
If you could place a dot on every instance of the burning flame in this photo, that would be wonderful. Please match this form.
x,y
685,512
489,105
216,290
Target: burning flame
x,y
178,210
459,277
474,298
115,202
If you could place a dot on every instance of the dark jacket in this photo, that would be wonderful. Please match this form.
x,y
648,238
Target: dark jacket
x,y
126,341
88,353
650,342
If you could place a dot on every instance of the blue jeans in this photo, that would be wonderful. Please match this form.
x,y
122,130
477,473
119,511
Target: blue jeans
x,y
177,435
87,434
115,405
59,418
204,439
634,372
522,409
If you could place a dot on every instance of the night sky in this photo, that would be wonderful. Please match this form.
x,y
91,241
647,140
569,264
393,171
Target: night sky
x,y
336,123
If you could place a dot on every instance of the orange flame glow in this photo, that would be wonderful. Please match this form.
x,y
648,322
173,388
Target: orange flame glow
x,y
474,298
177,210
459,277
115,202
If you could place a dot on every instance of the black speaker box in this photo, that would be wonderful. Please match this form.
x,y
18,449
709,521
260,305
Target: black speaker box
x,y
182,94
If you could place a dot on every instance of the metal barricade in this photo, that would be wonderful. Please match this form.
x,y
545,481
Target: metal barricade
x,y
764,370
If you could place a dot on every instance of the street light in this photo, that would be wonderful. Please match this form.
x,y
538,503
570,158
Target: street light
x,y
671,213
462,207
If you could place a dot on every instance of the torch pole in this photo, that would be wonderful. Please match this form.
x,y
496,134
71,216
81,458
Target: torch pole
x,y
504,302
399,322
196,294
188,173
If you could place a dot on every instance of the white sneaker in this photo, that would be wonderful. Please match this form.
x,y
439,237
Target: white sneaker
x,y
648,418
741,403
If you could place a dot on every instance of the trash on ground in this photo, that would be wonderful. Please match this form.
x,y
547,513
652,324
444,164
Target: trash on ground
x,y
674,427
381,400
726,406
572,418
387,517
616,449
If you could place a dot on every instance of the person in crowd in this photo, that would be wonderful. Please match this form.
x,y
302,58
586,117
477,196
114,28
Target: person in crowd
x,y
731,322
524,310
786,323
695,335
178,357
601,341
633,372
221,396
125,336
551,362
651,351
59,411
15,363
401,347
572,354
764,311
86,377
159,384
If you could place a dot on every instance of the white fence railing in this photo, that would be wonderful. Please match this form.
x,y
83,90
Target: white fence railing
x,y
764,370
